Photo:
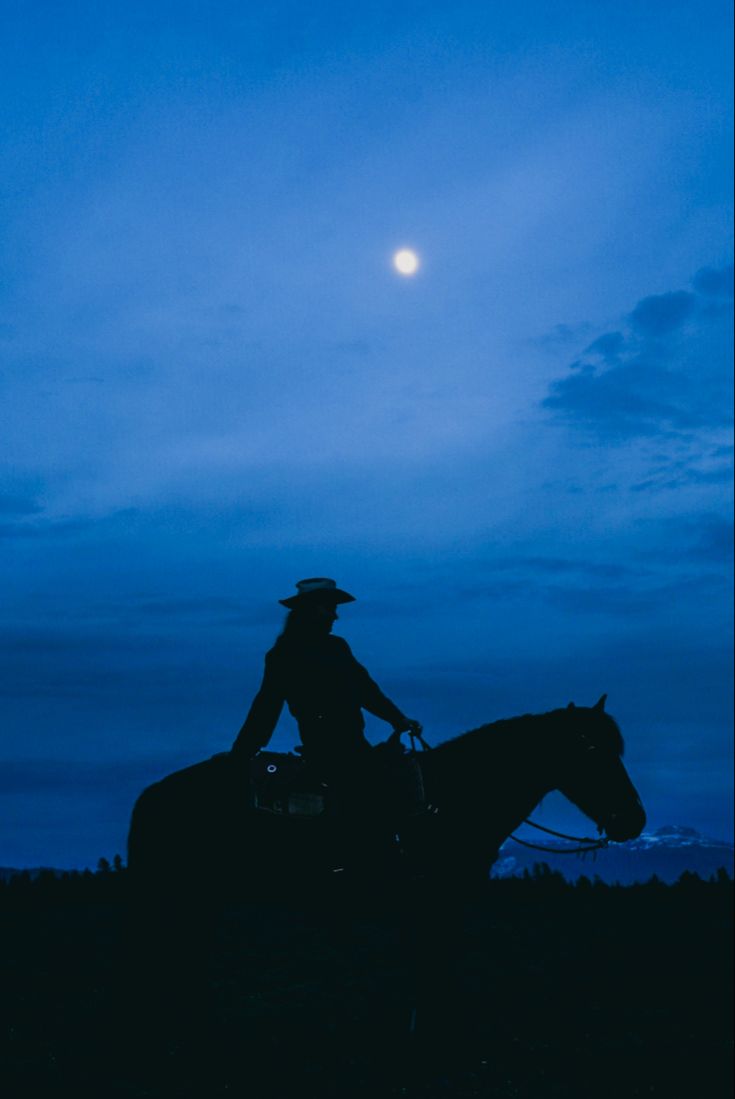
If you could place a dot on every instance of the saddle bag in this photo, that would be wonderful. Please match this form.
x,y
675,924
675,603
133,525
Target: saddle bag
x,y
281,783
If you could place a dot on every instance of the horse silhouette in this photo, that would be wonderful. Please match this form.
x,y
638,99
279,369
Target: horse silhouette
x,y
196,829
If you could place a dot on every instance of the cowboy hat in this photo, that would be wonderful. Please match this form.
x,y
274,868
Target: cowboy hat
x,y
317,588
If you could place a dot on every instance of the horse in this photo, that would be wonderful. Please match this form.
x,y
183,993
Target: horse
x,y
487,782
196,844
196,826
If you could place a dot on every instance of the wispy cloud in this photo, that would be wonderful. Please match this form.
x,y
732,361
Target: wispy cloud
x,y
49,528
17,504
666,372
73,777
698,540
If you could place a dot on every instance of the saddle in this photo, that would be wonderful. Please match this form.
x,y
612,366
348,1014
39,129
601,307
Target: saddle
x,y
284,784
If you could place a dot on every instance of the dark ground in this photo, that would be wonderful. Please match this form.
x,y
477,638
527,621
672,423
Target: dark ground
x,y
559,991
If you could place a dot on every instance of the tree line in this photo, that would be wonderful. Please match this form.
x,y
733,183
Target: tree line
x,y
109,882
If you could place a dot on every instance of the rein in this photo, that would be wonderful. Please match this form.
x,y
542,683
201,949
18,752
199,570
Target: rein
x,y
589,843
586,843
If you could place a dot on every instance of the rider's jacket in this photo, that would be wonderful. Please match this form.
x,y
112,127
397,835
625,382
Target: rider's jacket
x,y
325,689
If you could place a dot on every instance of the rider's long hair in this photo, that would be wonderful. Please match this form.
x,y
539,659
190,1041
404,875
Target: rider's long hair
x,y
299,629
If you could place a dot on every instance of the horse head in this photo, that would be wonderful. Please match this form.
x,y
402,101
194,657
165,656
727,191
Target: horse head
x,y
591,773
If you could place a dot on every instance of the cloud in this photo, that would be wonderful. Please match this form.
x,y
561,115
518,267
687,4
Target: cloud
x,y
15,504
56,776
608,346
698,540
45,529
121,659
628,603
665,374
715,282
676,563
562,335
561,566
662,313
715,541
220,609
608,591
680,475
34,522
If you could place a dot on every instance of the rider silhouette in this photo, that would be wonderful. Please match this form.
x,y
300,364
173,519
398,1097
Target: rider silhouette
x,y
324,686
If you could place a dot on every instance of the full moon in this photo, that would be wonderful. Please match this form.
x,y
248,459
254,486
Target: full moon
x,y
406,262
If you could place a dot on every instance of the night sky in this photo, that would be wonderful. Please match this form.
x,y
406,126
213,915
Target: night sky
x,y
214,383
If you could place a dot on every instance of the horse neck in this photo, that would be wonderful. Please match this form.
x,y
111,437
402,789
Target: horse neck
x,y
496,774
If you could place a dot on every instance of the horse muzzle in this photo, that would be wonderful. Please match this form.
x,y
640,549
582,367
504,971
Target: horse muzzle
x,y
628,825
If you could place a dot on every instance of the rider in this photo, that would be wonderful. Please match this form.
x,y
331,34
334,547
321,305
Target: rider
x,y
326,690
325,687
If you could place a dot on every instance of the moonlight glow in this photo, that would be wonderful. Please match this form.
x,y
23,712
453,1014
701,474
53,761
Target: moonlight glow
x,y
406,262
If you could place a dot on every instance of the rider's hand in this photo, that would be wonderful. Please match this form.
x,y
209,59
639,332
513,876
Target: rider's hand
x,y
415,728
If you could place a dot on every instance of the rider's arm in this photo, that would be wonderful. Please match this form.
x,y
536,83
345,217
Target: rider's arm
x,y
257,729
373,700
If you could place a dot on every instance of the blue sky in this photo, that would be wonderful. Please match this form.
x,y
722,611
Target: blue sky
x,y
213,382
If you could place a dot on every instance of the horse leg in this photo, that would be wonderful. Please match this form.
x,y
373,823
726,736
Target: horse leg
x,y
172,924
441,1019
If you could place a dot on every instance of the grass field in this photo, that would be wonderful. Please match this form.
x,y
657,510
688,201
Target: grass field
x,y
544,990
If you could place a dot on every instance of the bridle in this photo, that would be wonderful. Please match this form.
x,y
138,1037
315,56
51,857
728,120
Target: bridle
x,y
585,843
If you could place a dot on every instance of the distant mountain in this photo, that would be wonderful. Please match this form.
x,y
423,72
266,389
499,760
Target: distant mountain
x,y
667,853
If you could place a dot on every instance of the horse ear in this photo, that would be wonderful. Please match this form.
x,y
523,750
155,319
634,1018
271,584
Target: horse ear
x,y
600,704
571,706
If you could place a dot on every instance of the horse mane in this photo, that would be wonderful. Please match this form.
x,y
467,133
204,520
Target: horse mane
x,y
601,727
